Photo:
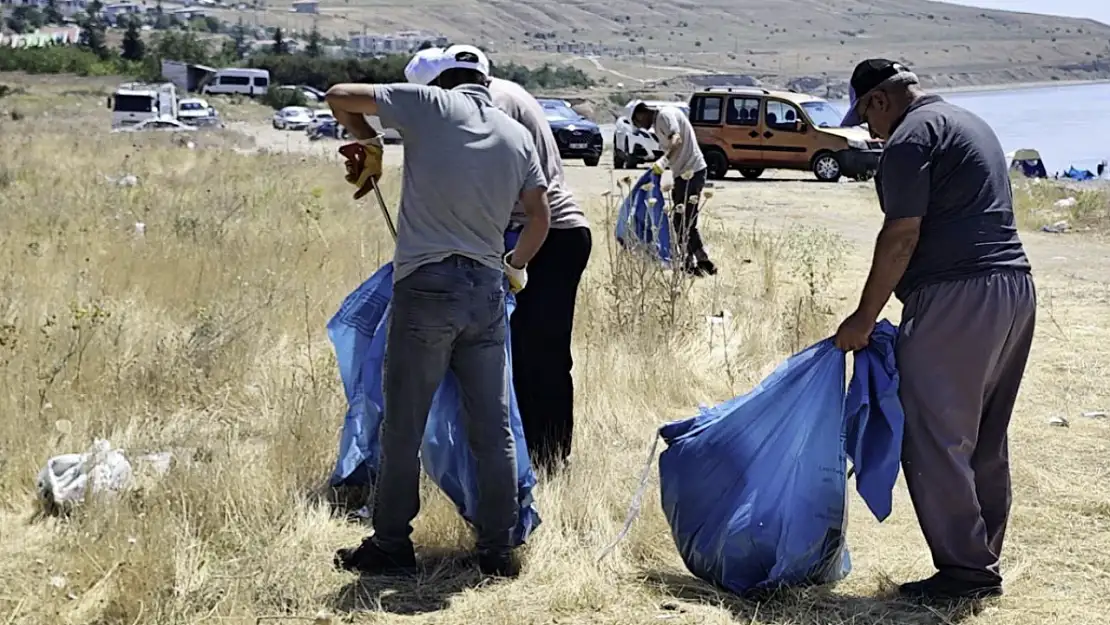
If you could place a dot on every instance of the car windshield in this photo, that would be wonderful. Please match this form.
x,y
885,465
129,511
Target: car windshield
x,y
823,114
192,106
559,112
295,112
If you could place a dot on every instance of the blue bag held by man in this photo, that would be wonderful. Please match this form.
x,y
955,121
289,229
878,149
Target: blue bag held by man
x,y
644,223
755,488
357,331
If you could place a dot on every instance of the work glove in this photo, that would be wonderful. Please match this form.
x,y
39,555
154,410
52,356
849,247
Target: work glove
x,y
364,164
659,166
518,278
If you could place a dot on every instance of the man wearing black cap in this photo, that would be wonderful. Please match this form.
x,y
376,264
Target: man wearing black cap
x,y
950,252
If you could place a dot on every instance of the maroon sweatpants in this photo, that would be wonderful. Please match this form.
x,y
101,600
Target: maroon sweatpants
x,y
962,350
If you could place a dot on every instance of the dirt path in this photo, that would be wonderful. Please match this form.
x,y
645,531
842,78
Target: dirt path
x,y
780,199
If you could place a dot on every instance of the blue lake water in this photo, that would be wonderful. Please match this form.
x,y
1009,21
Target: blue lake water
x,y
1068,124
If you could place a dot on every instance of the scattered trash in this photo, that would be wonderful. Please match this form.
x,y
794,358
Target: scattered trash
x,y
1096,414
1067,202
58,581
1057,228
127,180
1060,422
67,479
140,228
159,461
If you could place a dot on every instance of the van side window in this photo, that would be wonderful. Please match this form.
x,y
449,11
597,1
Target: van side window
x,y
742,112
782,116
261,81
706,110
234,80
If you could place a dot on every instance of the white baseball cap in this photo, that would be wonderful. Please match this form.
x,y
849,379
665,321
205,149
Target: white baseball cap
x,y
423,67
464,57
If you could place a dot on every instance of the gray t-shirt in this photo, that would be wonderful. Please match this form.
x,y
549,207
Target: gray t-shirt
x,y
945,165
670,120
521,106
466,164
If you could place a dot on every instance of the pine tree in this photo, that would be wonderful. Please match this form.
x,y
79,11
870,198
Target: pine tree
x,y
92,30
314,39
52,14
279,43
133,47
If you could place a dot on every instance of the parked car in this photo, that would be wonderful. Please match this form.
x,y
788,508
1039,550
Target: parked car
x,y
164,124
751,129
190,110
310,94
631,145
293,118
577,136
324,125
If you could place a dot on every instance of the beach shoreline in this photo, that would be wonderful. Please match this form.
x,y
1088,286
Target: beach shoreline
x,y
1017,86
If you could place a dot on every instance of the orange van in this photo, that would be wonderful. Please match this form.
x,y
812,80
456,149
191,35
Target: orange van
x,y
752,129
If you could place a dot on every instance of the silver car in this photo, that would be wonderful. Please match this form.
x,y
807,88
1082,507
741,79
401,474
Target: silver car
x,y
293,118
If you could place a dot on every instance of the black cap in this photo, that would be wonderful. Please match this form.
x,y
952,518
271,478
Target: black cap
x,y
868,75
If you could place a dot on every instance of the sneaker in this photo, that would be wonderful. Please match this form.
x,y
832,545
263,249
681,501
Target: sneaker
x,y
941,586
694,269
499,563
370,559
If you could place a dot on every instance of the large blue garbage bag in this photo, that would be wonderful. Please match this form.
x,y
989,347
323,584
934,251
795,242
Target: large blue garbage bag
x,y
644,224
755,488
357,331
1078,174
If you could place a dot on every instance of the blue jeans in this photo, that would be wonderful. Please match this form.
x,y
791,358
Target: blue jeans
x,y
448,315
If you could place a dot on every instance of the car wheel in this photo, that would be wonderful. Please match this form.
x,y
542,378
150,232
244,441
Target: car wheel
x,y
826,167
716,163
276,127
864,177
751,173
618,159
591,161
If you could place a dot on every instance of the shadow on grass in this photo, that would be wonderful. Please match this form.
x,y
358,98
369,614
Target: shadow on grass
x,y
810,606
442,574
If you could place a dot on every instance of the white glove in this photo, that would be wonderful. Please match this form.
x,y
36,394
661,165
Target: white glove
x,y
518,278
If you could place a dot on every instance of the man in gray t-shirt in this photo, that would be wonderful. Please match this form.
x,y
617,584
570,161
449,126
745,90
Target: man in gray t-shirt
x,y
683,154
543,322
949,251
466,165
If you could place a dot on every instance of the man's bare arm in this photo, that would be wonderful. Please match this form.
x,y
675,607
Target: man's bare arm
x,y
349,102
673,143
534,202
893,249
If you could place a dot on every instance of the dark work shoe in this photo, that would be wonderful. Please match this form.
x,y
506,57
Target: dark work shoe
x,y
694,269
707,267
941,586
370,559
499,563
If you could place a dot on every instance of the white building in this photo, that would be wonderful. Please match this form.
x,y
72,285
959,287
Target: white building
x,y
394,43
306,6
66,7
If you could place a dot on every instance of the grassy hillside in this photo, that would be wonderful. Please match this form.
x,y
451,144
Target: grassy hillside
x,y
769,38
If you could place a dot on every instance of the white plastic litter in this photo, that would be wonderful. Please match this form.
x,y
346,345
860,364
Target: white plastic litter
x,y
1067,202
69,478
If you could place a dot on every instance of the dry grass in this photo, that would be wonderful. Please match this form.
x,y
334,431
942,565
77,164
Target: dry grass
x,y
1048,202
205,336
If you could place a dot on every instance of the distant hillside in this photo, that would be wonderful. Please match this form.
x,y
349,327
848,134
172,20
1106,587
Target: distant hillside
x,y
776,39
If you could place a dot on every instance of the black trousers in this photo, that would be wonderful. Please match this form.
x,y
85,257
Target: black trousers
x,y
541,333
686,199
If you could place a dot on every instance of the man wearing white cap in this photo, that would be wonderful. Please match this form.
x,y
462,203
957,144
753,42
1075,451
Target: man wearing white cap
x,y
466,165
543,322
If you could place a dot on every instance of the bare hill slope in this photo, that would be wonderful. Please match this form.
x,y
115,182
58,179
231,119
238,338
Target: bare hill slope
x,y
782,38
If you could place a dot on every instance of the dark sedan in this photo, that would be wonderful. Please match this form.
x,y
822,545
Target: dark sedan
x,y
577,136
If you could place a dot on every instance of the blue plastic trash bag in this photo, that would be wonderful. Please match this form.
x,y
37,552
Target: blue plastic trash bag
x,y
357,332
643,223
755,488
